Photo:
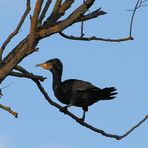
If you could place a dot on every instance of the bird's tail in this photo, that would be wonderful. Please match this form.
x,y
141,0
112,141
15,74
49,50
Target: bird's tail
x,y
108,93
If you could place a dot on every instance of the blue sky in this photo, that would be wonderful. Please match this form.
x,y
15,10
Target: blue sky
x,y
123,65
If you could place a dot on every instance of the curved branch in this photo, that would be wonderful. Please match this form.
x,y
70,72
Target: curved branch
x,y
117,137
132,18
95,14
17,28
94,38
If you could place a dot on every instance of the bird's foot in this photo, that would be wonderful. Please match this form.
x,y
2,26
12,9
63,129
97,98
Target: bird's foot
x,y
64,109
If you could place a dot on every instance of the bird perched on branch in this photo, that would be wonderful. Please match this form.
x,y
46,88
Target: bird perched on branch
x,y
75,92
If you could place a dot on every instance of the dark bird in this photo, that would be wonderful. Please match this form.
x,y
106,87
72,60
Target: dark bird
x,y
75,92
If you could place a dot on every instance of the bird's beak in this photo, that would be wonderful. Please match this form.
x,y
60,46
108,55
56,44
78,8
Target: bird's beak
x,y
47,66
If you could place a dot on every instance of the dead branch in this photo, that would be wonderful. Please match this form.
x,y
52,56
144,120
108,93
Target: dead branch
x,y
9,110
25,74
56,7
59,11
96,14
17,28
117,137
71,19
34,23
91,15
28,75
43,13
93,38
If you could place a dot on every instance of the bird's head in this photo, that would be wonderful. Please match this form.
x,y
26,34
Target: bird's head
x,y
53,64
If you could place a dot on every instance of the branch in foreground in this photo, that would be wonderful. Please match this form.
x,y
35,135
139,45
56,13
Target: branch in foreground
x,y
17,28
117,137
8,109
93,38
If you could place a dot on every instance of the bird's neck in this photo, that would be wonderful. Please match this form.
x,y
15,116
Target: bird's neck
x,y
57,77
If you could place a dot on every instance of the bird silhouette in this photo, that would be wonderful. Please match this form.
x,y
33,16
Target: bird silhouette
x,y
73,92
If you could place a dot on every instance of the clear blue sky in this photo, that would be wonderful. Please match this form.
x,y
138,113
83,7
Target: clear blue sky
x,y
123,65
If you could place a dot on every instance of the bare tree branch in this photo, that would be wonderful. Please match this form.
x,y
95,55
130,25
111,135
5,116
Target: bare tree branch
x,y
65,6
91,15
34,23
95,14
23,73
117,137
8,109
59,12
17,28
56,7
27,75
94,38
48,2
71,19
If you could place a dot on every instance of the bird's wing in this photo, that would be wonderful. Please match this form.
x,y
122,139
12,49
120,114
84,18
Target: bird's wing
x,y
78,85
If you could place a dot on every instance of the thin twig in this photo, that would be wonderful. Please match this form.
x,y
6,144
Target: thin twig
x,y
117,137
8,109
27,75
17,28
91,15
48,2
82,29
132,18
94,38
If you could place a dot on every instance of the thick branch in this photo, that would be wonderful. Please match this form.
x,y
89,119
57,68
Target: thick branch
x,y
34,23
17,28
13,58
8,109
59,26
117,137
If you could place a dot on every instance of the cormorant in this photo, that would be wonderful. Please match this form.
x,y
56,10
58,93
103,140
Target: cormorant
x,y
75,92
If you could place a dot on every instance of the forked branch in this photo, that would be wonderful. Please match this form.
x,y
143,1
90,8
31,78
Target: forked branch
x,y
96,14
34,78
117,137
17,28
45,9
